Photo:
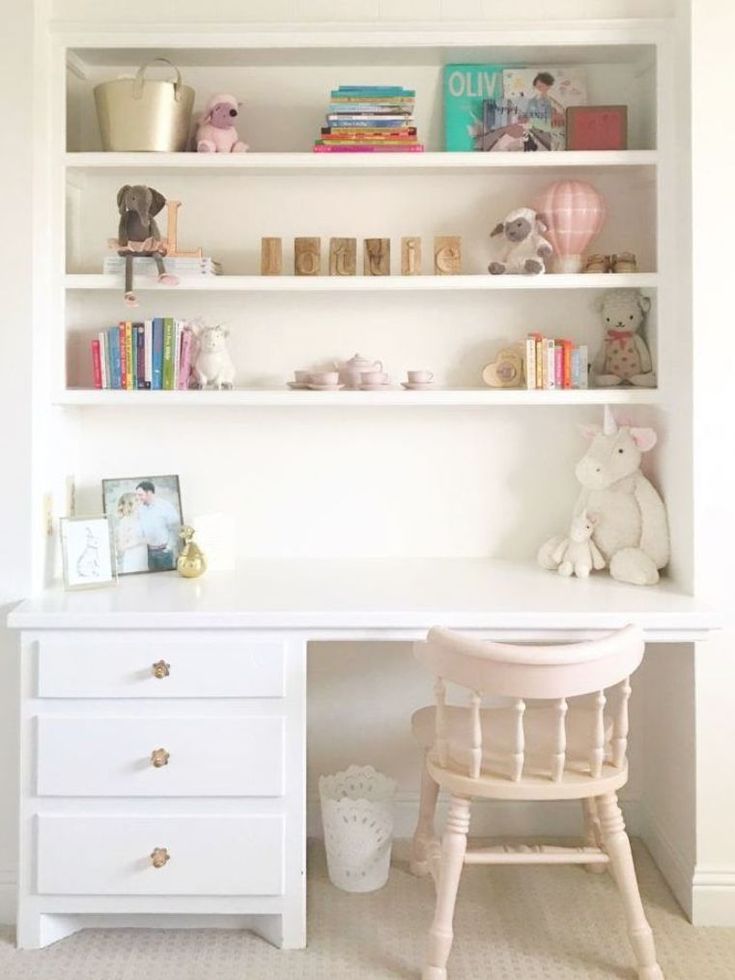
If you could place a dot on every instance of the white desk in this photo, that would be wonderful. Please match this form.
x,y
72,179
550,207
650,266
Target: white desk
x,y
229,807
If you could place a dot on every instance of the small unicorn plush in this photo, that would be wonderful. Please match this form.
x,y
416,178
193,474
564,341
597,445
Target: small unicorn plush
x,y
578,554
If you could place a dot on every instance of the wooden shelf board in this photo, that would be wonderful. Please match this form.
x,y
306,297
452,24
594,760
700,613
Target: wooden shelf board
x,y
263,397
348,284
350,163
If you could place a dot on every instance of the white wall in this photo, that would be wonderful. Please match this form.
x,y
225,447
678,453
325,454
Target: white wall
x,y
331,671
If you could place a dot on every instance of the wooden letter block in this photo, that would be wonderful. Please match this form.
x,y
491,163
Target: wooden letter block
x,y
271,257
342,256
307,256
447,255
376,257
410,256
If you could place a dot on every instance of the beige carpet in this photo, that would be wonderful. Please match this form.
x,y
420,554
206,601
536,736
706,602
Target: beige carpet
x,y
511,924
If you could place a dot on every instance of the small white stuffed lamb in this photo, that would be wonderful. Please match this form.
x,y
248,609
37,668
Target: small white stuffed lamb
x,y
578,554
213,367
524,248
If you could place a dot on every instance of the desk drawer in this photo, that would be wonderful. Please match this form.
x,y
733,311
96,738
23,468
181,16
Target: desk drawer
x,y
222,855
239,756
97,664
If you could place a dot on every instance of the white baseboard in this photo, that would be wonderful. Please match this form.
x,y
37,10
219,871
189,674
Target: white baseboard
x,y
7,896
713,896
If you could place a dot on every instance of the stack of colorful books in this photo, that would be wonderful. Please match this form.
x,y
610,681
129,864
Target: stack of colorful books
x,y
555,364
154,354
370,119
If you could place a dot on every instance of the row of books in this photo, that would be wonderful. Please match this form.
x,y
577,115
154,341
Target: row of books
x,y
553,364
178,266
369,119
154,354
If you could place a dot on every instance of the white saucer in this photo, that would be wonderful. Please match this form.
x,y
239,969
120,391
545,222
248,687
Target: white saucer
x,y
325,387
418,385
297,385
375,387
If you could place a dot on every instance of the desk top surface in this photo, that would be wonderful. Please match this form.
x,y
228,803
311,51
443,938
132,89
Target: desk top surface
x,y
354,598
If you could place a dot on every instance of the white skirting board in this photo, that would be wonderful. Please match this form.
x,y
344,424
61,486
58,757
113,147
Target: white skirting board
x,y
7,895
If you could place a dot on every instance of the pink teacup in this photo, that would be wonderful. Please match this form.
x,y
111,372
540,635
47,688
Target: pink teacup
x,y
420,377
374,378
324,377
302,377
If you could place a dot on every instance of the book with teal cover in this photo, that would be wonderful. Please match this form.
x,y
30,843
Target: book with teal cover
x,y
466,87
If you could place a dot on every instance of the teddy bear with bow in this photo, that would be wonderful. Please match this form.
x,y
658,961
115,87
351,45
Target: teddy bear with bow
x,y
624,356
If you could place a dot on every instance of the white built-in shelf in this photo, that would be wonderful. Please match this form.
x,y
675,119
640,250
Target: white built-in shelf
x,y
349,284
120,164
266,397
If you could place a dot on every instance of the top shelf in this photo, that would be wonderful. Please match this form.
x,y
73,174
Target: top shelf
x,y
351,163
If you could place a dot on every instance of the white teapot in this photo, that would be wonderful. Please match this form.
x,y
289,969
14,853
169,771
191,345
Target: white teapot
x,y
350,373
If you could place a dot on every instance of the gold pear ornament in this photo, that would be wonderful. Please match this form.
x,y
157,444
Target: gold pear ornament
x,y
191,562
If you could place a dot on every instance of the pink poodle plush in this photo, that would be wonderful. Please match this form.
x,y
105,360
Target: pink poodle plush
x,y
216,132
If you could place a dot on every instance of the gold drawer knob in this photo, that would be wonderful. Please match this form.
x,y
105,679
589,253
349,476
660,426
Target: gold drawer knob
x,y
161,669
159,758
159,856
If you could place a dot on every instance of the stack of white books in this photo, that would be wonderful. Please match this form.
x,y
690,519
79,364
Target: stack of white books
x,y
179,265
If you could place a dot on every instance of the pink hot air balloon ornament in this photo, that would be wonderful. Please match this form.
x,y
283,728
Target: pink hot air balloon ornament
x,y
574,213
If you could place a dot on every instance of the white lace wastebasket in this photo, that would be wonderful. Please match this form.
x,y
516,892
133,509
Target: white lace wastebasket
x,y
357,816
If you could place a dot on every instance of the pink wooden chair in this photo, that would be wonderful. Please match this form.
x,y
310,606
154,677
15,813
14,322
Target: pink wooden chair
x,y
562,736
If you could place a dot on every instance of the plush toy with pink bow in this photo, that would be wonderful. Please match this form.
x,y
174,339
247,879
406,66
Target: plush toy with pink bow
x,y
624,357
629,528
216,131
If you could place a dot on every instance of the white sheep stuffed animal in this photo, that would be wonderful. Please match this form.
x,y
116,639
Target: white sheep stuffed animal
x,y
523,248
578,554
631,530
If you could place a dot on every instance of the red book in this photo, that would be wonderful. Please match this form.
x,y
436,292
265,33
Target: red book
x,y
566,363
362,148
96,364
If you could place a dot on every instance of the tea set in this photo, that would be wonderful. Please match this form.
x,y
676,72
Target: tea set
x,y
358,373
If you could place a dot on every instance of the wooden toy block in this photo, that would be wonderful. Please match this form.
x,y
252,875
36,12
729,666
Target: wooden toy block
x,y
410,256
172,234
307,256
447,255
376,257
342,256
271,257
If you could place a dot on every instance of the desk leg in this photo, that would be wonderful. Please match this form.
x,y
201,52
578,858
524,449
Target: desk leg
x,y
293,920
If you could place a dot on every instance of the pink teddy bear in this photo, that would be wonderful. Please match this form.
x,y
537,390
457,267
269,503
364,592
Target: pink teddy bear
x,y
216,132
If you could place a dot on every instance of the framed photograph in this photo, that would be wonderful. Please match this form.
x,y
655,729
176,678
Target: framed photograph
x,y
597,127
145,516
87,552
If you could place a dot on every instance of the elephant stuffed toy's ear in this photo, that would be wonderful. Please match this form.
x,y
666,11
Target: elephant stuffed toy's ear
x,y
121,196
157,201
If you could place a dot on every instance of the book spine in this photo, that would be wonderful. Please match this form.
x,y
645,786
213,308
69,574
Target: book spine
x,y
574,366
101,337
148,352
96,364
367,148
177,353
530,362
168,353
185,367
549,364
566,365
157,378
129,364
539,360
123,357
113,342
583,366
140,356
558,365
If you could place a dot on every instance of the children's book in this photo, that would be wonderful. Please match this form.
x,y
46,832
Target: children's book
x,y
157,353
543,95
466,88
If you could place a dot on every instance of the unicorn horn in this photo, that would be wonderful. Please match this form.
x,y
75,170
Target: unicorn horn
x,y
609,428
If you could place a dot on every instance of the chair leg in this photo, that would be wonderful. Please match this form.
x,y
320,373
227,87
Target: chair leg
x,y
592,833
617,846
424,833
454,845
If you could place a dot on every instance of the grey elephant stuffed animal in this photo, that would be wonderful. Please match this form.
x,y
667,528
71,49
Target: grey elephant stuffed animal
x,y
138,233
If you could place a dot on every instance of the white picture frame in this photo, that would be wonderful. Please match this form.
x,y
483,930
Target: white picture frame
x,y
87,554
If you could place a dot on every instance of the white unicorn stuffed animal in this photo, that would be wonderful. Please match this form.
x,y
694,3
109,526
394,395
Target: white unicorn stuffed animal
x,y
631,530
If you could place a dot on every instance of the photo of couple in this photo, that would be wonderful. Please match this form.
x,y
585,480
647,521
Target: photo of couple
x,y
146,519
